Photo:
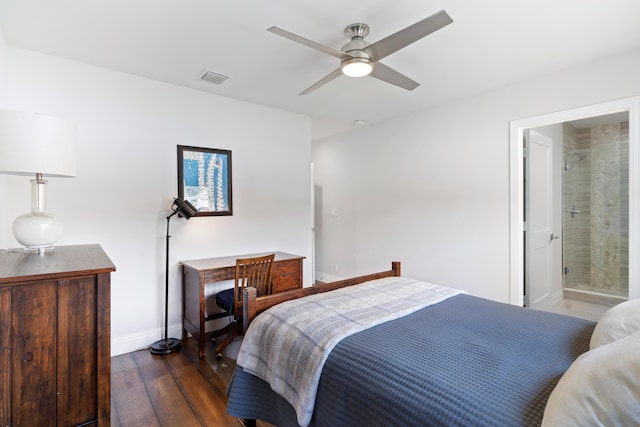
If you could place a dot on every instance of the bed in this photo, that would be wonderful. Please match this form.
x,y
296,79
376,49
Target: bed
x,y
386,350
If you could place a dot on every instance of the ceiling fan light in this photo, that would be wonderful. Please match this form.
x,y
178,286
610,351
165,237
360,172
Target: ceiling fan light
x,y
357,67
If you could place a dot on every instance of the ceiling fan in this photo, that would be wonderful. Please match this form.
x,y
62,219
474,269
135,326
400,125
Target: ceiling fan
x,y
359,58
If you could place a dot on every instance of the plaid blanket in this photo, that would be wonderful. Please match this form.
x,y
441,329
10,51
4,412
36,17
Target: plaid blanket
x,y
287,345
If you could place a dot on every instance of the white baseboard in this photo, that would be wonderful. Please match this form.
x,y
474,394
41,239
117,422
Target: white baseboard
x,y
557,297
142,340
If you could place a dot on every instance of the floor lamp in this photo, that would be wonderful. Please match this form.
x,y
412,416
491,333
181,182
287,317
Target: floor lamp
x,y
169,345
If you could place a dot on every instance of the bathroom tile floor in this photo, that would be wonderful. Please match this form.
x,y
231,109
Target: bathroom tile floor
x,y
582,309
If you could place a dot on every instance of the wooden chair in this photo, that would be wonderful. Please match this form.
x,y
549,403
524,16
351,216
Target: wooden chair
x,y
250,272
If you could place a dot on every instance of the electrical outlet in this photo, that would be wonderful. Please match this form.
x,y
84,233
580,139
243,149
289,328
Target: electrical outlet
x,y
335,268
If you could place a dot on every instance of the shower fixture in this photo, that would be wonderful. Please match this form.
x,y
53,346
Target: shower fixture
x,y
574,211
580,157
573,156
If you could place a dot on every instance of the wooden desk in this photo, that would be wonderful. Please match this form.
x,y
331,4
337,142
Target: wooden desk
x,y
287,275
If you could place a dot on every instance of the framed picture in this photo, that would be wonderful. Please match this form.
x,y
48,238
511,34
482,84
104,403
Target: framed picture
x,y
204,179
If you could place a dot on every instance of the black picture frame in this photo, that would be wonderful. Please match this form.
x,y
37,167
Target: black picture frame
x,y
204,179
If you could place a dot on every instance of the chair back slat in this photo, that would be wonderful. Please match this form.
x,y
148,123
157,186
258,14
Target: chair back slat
x,y
252,272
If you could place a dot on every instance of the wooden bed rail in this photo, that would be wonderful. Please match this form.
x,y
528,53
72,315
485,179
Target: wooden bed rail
x,y
253,305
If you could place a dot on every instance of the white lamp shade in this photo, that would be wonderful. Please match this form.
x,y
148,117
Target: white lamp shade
x,y
35,143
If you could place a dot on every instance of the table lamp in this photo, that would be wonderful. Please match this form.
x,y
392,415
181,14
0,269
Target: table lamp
x,y
44,146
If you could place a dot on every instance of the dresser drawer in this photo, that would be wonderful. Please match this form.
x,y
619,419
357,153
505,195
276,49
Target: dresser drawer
x,y
287,275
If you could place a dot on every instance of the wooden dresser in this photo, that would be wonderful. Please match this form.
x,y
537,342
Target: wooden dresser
x,y
55,361
287,275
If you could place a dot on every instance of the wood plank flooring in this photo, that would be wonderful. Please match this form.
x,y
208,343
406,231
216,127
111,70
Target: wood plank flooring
x,y
173,390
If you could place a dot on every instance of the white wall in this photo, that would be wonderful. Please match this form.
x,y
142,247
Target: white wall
x,y
128,129
432,189
4,182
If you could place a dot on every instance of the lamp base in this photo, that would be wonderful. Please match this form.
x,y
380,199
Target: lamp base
x,y
37,231
40,250
164,347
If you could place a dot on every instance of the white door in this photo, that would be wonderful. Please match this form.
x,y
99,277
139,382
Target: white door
x,y
539,236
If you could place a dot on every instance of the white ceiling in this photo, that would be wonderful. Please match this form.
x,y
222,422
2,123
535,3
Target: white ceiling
x,y
491,43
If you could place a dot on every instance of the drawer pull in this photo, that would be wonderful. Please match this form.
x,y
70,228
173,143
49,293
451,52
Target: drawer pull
x,y
28,357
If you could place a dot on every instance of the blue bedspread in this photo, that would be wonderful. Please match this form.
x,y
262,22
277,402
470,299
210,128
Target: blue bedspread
x,y
466,361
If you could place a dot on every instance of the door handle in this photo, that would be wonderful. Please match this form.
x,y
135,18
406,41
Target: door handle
x,y
552,237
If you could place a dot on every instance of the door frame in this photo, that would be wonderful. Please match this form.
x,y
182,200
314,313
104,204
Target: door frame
x,y
516,190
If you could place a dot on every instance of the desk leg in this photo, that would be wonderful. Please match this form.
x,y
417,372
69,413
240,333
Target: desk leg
x,y
193,308
201,343
185,335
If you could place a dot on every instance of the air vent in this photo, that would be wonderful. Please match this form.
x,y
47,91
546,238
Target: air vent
x,y
211,77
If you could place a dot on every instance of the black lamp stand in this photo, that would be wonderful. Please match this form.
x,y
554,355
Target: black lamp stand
x,y
169,345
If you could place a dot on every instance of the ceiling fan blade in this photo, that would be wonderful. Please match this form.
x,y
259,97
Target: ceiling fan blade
x,y
310,43
389,75
405,37
323,81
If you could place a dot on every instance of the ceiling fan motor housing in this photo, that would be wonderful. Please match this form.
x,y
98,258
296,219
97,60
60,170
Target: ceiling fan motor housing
x,y
353,50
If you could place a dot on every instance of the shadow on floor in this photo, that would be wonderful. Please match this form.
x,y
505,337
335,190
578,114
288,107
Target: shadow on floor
x,y
210,365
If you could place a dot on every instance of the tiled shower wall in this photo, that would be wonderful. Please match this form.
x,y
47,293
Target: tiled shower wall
x,y
595,188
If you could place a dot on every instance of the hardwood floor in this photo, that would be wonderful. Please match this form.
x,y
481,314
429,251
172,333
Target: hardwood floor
x,y
173,390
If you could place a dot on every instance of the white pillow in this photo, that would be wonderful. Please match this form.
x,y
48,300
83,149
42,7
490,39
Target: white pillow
x,y
600,388
618,322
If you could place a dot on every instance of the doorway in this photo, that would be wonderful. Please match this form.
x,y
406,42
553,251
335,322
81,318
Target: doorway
x,y
518,128
595,210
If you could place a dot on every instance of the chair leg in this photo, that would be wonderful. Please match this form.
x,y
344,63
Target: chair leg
x,y
231,335
219,332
